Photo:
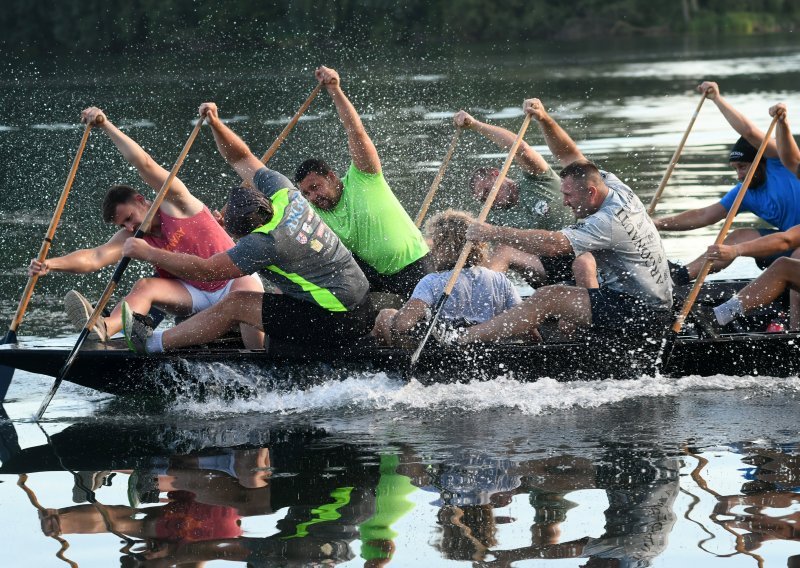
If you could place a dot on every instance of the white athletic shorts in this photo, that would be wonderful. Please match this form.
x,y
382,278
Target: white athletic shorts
x,y
202,300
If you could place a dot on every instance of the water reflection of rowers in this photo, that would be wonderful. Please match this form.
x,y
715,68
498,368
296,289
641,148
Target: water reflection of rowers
x,y
183,223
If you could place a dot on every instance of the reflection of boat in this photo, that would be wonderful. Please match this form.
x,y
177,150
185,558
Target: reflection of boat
x,y
193,483
112,368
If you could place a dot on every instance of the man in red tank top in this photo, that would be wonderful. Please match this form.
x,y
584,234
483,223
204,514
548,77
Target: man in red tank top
x,y
183,224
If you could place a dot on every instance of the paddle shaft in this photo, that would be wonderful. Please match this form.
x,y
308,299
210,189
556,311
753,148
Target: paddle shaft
x,y
462,259
120,270
690,299
288,128
48,238
423,210
675,157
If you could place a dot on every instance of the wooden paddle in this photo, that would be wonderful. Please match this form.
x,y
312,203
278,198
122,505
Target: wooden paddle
x,y
448,289
437,180
7,373
698,283
120,270
288,128
285,132
674,160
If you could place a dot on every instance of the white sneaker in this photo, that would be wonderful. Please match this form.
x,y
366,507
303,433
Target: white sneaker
x,y
79,310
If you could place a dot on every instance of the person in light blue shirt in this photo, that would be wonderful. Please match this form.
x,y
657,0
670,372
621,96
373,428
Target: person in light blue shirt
x,y
478,295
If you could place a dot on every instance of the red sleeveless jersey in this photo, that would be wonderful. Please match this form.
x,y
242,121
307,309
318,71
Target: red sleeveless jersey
x,y
200,235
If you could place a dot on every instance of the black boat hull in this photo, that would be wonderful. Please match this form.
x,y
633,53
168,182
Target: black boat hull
x,y
238,372
224,369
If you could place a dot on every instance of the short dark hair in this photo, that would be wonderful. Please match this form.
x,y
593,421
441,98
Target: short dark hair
x,y
312,165
116,195
247,210
582,170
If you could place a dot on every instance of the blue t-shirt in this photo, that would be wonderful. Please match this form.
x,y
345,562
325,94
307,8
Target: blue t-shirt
x,y
777,201
478,296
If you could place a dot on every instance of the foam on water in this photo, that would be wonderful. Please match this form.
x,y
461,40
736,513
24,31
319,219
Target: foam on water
x,y
140,123
56,126
377,391
286,119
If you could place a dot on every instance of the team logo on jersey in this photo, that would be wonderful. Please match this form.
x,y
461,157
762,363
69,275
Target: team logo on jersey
x,y
315,245
308,228
541,207
320,230
302,238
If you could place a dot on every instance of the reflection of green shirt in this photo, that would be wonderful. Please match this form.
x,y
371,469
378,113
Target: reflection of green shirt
x,y
370,221
391,505
540,205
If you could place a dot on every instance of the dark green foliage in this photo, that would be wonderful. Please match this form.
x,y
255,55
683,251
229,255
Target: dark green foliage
x,y
46,26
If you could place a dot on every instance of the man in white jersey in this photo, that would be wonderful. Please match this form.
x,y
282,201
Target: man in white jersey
x,y
614,227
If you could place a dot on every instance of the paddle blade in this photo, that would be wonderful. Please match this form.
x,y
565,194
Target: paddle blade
x,y
665,352
7,373
434,318
62,373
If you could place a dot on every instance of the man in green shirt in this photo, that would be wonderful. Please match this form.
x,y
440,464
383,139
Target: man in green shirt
x,y
532,202
361,208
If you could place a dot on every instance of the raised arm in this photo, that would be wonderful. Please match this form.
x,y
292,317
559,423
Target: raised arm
x,y
84,260
362,150
148,169
739,122
561,145
528,159
188,266
232,148
692,219
788,151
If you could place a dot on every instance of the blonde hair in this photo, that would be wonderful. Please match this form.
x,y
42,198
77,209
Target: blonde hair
x,y
447,232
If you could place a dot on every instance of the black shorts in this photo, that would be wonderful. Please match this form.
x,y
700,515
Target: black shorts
x,y
558,268
401,283
288,319
622,312
764,261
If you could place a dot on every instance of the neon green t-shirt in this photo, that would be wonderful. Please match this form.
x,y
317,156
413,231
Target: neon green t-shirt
x,y
370,221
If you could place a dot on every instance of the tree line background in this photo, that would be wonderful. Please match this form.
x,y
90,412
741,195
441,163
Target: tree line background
x,y
46,26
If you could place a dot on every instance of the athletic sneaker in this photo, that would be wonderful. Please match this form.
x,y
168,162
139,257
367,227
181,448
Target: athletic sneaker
x,y
137,329
79,310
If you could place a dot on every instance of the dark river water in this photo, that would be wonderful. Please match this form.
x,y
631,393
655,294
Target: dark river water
x,y
371,471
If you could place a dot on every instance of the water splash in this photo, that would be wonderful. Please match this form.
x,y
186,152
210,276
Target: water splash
x,y
368,392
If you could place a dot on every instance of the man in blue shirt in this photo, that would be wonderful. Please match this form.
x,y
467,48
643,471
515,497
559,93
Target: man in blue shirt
x,y
773,195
